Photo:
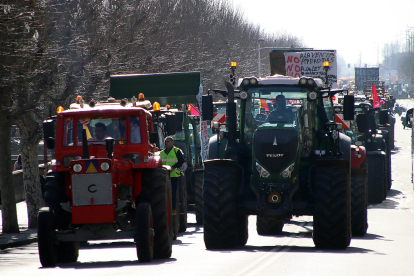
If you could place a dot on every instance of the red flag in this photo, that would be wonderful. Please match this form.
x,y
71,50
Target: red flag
x,y
193,110
374,96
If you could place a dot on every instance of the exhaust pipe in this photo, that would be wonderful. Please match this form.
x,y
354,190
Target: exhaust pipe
x,y
85,145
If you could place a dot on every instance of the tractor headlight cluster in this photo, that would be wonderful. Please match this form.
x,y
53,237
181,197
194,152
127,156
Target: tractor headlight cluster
x,y
243,95
77,168
312,96
249,81
105,166
307,81
288,171
262,171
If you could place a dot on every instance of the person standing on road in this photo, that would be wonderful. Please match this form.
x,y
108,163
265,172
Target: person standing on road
x,y
173,157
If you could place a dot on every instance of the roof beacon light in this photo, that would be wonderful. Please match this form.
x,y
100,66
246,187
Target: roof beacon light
x,y
233,64
141,97
167,106
156,106
60,109
326,64
78,98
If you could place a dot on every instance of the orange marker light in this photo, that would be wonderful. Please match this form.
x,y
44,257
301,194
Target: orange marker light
x,y
141,97
78,98
233,64
167,106
60,109
156,106
326,64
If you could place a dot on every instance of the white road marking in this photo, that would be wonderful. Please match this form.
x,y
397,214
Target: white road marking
x,y
268,258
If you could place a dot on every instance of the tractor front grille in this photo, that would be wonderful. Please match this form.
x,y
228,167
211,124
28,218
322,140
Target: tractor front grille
x,y
275,149
88,189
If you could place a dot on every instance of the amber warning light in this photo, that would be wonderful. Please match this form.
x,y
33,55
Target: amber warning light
x,y
156,106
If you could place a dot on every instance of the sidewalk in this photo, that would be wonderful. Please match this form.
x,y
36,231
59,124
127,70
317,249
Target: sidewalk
x,y
25,236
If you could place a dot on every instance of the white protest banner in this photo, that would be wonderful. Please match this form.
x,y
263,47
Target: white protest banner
x,y
310,64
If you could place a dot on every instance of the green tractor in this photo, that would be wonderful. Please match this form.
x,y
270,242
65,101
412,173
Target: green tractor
x,y
278,165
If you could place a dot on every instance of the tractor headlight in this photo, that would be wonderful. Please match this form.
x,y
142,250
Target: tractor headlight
x,y
262,171
105,166
288,171
312,96
77,168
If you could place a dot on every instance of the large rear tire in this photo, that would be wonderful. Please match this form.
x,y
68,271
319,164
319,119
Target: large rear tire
x,y
376,178
198,196
268,227
332,215
46,237
144,233
183,203
156,190
359,189
223,228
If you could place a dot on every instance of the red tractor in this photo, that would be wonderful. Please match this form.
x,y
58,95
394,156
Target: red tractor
x,y
106,181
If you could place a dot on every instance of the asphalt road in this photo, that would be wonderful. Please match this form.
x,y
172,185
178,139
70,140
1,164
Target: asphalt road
x,y
387,248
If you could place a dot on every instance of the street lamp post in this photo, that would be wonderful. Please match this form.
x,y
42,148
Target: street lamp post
x,y
258,50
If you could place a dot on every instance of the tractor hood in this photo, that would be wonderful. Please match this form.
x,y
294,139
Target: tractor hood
x,y
275,146
168,88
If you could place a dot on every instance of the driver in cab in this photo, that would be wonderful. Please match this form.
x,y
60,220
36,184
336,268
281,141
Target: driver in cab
x,y
280,113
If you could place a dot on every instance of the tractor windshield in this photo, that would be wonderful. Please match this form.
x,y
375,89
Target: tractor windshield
x,y
99,128
273,105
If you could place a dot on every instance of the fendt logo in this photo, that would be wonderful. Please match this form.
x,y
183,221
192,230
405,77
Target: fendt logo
x,y
274,154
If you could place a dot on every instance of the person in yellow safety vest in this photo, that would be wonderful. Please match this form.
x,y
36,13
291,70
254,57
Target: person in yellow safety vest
x,y
173,157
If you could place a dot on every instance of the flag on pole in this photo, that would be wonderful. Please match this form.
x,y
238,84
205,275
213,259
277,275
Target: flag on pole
x,y
88,133
375,99
193,110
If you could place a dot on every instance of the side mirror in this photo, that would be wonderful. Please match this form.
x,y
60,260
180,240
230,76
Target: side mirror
x,y
50,142
371,123
349,108
180,117
362,123
383,117
171,123
49,133
207,107
153,137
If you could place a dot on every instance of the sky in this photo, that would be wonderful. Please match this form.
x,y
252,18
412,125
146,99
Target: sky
x,y
358,29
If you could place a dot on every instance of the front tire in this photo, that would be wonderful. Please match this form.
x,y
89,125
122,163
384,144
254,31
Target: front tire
x,y
156,190
223,228
332,215
46,237
198,196
144,238
183,203
359,198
